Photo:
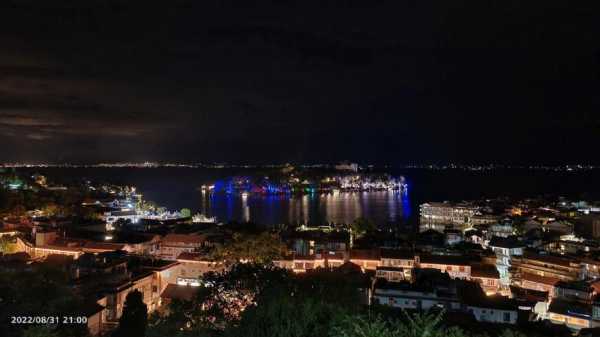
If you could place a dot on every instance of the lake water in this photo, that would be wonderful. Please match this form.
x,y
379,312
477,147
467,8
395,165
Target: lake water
x,y
176,188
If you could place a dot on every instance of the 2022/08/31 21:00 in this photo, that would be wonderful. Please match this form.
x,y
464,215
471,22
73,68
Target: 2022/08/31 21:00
x,y
48,320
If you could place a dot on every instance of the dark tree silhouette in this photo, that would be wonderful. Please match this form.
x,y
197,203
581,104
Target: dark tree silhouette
x,y
134,319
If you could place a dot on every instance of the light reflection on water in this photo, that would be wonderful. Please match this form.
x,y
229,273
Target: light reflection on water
x,y
383,207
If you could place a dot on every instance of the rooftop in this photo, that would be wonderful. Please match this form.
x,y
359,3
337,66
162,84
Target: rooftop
x,y
540,279
508,242
397,254
365,254
179,292
183,238
445,260
486,271
570,308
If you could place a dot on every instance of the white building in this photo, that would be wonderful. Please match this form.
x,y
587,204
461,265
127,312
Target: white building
x,y
436,215
505,249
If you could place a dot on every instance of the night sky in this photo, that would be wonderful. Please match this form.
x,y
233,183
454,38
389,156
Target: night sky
x,y
392,82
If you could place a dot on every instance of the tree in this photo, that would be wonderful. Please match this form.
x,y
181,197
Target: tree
x,y
220,303
122,224
40,331
360,227
262,249
186,212
134,319
363,327
8,244
283,315
415,325
300,305
41,289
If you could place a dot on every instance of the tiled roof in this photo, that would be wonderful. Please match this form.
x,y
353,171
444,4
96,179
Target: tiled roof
x,y
184,238
486,271
570,308
550,259
445,260
189,256
540,279
509,242
397,254
174,291
102,245
365,254
385,268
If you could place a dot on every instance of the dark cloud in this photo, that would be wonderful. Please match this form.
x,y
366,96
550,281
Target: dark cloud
x,y
382,81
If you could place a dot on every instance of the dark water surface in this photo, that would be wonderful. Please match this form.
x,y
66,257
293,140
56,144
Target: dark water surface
x,y
176,188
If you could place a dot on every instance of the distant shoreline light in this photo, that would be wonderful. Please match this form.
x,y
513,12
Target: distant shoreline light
x,y
482,167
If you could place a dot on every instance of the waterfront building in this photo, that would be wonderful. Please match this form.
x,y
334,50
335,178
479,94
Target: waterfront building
x,y
436,215
484,219
345,166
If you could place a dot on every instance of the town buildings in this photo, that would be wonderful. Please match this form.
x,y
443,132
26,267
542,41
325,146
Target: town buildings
x,y
173,245
439,215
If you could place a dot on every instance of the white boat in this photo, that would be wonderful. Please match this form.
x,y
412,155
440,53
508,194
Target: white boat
x,y
201,218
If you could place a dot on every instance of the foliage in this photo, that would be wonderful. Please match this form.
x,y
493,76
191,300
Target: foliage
x,y
260,248
362,327
42,289
134,319
186,212
8,244
414,325
362,226
428,324
511,333
300,305
283,315
219,303
122,224
256,301
40,331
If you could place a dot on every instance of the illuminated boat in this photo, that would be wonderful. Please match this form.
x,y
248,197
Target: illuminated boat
x,y
201,218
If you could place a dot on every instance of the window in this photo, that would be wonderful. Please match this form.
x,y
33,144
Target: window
x,y
507,316
462,269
